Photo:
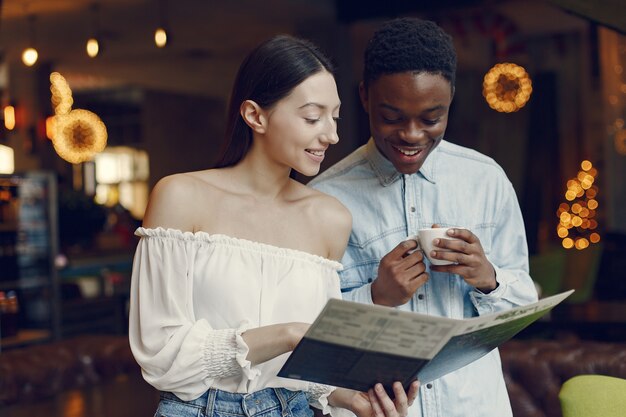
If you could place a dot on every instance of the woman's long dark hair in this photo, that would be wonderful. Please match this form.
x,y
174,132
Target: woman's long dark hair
x,y
269,73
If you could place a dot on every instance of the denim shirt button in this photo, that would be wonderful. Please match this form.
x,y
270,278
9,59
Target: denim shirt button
x,y
420,296
370,280
429,386
412,209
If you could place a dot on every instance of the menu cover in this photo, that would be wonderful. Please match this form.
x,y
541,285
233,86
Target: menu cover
x,y
356,345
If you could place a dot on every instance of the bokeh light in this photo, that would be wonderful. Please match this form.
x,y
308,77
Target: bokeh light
x,y
507,87
576,219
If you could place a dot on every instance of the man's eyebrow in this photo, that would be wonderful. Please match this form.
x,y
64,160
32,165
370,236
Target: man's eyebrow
x,y
390,107
395,109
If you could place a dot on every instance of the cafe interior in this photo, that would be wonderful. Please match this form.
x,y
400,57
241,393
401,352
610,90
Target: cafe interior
x,y
99,99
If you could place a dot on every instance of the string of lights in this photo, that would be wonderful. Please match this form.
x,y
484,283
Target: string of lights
x,y
577,217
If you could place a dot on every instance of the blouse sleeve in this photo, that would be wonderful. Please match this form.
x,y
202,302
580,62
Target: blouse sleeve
x,y
176,352
317,396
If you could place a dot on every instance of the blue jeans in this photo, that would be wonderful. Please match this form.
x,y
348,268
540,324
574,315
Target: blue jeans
x,y
269,402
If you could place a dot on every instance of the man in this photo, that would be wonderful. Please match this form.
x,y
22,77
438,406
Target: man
x,y
406,178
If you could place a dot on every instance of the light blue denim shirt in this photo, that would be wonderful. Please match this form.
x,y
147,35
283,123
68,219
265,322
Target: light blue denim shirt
x,y
456,186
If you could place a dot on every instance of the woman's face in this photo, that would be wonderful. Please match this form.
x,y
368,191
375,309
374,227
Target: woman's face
x,y
301,126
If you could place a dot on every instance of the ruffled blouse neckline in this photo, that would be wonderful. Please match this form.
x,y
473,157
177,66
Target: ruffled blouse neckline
x,y
201,236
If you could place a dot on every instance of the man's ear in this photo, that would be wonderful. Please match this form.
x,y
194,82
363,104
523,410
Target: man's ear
x,y
253,115
363,96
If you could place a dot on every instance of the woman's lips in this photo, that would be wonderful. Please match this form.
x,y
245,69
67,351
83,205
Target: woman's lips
x,y
315,154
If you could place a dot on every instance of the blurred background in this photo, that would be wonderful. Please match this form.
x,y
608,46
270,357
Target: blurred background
x,y
100,99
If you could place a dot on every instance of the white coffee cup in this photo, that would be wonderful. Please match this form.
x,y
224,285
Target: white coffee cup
x,y
425,239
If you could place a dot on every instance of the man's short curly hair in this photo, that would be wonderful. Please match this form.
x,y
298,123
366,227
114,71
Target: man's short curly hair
x,y
409,44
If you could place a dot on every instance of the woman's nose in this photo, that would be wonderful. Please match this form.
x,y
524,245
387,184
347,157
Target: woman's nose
x,y
331,135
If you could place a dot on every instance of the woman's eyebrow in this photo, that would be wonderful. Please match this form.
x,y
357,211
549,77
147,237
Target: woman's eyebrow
x,y
318,105
321,106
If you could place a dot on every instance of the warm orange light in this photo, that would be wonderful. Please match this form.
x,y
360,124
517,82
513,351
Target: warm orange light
x,y
79,136
160,37
29,56
62,100
92,47
9,117
578,219
620,141
50,127
582,243
507,87
7,163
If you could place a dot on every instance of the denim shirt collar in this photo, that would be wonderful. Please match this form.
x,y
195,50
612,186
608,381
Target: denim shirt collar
x,y
387,173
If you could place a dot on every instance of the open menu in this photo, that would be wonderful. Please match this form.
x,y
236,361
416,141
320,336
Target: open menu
x,y
355,345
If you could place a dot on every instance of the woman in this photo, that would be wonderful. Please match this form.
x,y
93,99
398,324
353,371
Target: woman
x,y
234,262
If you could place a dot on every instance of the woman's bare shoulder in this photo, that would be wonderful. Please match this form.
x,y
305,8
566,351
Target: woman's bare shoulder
x,y
173,200
334,221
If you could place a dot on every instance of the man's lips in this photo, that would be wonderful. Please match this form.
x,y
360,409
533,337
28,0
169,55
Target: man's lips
x,y
409,151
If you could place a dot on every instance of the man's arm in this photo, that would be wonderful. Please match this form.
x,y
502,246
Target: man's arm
x,y
400,273
509,258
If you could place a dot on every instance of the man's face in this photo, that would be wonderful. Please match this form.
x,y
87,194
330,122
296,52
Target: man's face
x,y
408,114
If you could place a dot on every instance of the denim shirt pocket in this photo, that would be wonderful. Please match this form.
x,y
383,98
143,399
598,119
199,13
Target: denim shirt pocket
x,y
363,255
484,232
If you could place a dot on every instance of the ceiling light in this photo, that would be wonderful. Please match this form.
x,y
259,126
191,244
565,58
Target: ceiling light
x,y
30,54
9,117
160,37
7,160
92,47
160,34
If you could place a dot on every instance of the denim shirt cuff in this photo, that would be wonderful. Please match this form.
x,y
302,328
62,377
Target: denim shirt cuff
x,y
486,303
362,294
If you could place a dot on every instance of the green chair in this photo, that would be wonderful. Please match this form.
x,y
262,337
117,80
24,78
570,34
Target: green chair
x,y
593,396
581,272
547,270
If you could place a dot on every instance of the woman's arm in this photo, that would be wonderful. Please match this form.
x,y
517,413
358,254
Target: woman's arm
x,y
268,342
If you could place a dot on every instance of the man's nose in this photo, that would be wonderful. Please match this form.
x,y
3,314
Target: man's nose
x,y
412,132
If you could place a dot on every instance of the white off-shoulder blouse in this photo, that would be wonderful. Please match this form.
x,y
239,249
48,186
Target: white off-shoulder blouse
x,y
194,294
